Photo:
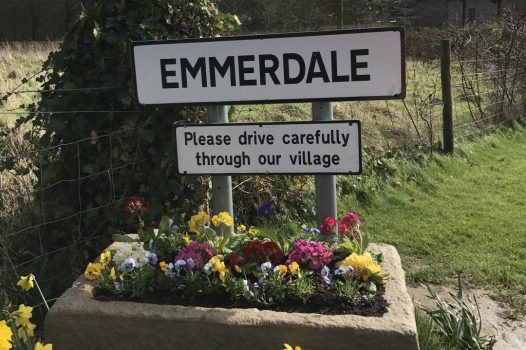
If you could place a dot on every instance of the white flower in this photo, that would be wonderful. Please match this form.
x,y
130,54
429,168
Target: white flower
x,y
133,250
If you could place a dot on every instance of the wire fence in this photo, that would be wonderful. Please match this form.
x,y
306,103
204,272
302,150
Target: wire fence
x,y
482,103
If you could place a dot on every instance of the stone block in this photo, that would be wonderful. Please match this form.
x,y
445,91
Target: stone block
x,y
77,321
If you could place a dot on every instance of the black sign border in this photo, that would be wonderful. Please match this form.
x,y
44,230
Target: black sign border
x,y
402,95
349,122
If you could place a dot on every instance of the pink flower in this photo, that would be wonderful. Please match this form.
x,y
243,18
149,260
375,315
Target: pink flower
x,y
314,254
343,228
351,220
329,225
198,252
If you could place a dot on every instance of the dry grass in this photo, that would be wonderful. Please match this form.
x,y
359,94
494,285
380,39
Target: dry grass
x,y
19,60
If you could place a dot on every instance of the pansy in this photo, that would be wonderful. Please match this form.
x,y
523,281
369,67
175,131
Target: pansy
x,y
288,347
309,230
265,268
163,265
264,209
325,275
92,271
190,263
170,270
128,265
344,271
207,268
152,258
117,285
294,268
179,265
105,258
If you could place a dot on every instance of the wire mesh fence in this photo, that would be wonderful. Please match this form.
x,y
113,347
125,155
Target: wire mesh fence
x,y
488,93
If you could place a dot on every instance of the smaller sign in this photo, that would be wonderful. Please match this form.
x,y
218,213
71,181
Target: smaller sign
x,y
331,147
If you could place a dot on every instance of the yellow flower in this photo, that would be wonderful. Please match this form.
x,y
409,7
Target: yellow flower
x,y
26,282
218,266
241,228
294,268
113,276
288,347
238,269
186,239
222,218
282,269
26,331
363,265
163,265
22,315
92,271
105,258
39,346
252,231
5,336
198,223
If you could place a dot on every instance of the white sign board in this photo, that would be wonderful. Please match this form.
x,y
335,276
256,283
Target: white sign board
x,y
270,148
312,66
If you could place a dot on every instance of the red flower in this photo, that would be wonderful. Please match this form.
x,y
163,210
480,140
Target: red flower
x,y
258,251
234,259
329,225
351,220
136,205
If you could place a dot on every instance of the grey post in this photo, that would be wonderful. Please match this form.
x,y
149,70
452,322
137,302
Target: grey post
x,y
325,184
221,185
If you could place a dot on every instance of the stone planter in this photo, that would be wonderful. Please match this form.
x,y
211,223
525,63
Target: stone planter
x,y
77,321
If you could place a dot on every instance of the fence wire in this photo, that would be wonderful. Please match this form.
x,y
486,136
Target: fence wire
x,y
482,103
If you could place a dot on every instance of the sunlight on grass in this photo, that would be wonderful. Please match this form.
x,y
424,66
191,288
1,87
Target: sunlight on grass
x,y
469,218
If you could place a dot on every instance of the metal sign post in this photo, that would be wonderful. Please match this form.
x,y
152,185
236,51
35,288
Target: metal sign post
x,y
325,184
221,185
314,67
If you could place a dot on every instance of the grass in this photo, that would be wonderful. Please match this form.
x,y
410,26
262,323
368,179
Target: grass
x,y
465,215
19,60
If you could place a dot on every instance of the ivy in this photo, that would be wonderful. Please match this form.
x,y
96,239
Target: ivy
x,y
91,72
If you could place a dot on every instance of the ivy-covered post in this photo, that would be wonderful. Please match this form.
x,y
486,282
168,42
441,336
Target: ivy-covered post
x,y
221,185
325,184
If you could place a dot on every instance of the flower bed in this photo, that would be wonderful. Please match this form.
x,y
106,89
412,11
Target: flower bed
x,y
205,262
327,272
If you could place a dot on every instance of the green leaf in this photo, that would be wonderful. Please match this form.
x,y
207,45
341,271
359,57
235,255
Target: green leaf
x,y
123,238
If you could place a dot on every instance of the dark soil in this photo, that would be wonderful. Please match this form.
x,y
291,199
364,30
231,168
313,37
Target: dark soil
x,y
319,303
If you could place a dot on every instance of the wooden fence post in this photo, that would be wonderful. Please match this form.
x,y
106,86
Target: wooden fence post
x,y
447,98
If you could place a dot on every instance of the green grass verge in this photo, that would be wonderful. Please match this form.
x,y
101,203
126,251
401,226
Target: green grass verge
x,y
468,215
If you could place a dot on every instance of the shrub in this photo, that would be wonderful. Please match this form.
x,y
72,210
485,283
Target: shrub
x,y
91,72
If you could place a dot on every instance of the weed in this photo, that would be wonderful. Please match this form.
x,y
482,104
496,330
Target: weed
x,y
458,323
